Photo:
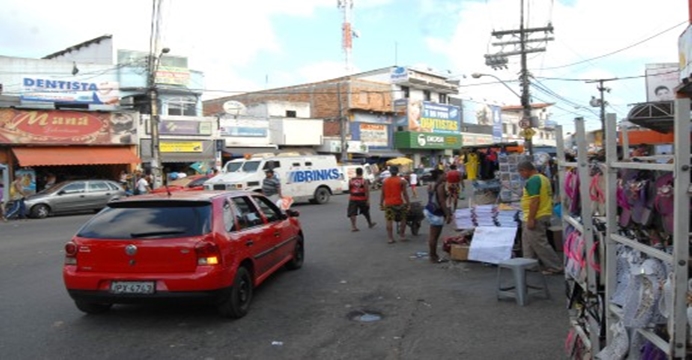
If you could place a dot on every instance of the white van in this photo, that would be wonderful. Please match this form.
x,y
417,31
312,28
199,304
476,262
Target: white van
x,y
349,171
311,178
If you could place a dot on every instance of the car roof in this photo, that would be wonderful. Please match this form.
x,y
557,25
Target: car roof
x,y
205,195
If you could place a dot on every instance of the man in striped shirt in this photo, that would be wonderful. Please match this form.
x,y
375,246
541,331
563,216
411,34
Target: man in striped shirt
x,y
271,186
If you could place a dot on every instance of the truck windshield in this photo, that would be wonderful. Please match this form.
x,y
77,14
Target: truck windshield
x,y
251,166
234,166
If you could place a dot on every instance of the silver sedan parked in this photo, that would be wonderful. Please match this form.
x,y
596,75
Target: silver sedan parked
x,y
73,196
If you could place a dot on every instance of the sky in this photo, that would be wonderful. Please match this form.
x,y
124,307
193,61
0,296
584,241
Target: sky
x,y
245,45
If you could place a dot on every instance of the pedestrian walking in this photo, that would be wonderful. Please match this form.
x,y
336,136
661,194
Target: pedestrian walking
x,y
453,186
359,199
394,202
413,177
271,186
537,205
436,212
143,186
17,196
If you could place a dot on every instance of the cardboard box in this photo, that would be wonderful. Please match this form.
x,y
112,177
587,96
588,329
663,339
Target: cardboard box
x,y
459,252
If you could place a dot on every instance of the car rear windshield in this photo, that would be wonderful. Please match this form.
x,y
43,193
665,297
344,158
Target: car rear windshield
x,y
149,220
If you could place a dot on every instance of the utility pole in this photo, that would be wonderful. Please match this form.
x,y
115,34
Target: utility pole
x,y
499,61
342,124
601,102
152,91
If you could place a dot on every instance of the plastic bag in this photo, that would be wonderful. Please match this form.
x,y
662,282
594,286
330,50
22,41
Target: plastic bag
x,y
284,203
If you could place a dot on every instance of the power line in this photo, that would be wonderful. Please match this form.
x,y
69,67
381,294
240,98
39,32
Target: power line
x,y
617,51
617,78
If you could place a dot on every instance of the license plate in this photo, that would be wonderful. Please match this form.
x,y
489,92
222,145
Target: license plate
x,y
132,287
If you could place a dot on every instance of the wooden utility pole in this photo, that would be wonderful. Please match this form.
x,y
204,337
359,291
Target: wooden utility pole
x,y
520,46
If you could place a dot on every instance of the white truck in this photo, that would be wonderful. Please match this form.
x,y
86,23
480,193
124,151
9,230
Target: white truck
x,y
311,178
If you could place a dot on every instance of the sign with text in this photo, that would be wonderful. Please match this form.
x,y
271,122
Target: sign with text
x,y
66,127
497,123
244,128
661,80
431,141
426,116
185,127
374,134
180,146
86,91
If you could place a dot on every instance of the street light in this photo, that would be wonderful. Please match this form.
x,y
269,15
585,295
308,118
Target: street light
x,y
154,63
527,109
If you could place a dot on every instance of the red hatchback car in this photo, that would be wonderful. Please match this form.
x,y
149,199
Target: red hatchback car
x,y
190,245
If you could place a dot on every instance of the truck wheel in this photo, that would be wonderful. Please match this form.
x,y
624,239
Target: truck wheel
x,y
321,195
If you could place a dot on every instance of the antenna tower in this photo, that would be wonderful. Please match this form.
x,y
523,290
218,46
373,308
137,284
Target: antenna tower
x,y
346,7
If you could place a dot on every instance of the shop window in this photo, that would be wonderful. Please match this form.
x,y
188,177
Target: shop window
x,y
514,129
426,95
186,106
291,113
443,98
504,128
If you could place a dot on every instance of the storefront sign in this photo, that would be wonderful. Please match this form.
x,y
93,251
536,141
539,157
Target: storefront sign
x,y
398,75
172,75
685,53
661,81
374,135
426,140
244,132
66,127
45,89
470,139
185,127
180,146
425,116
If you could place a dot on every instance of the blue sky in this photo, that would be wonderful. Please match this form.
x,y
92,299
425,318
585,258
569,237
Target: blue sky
x,y
239,43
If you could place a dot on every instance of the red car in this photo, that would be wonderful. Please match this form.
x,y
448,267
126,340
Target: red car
x,y
190,183
214,246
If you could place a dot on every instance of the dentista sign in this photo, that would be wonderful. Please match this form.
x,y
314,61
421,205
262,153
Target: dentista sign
x,y
425,140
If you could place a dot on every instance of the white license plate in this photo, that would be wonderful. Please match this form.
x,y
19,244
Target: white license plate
x,y
132,287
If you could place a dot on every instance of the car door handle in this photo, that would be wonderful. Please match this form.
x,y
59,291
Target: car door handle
x,y
277,234
108,194
81,196
249,243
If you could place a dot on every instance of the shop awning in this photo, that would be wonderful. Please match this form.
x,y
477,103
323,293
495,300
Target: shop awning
x,y
74,155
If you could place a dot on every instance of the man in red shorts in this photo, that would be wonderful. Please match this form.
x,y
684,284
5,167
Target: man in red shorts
x,y
394,202
453,186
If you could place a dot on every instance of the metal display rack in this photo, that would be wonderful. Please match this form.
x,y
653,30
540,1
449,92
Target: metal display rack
x,y
676,347
586,325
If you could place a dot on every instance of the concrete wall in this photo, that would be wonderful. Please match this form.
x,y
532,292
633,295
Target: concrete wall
x,y
279,109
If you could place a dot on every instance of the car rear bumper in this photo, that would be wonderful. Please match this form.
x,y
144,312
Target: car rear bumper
x,y
158,297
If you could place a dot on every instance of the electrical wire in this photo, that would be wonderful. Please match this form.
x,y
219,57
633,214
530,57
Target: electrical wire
x,y
619,50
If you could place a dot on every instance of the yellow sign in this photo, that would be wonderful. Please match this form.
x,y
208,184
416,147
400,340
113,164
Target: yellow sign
x,y
529,133
181,146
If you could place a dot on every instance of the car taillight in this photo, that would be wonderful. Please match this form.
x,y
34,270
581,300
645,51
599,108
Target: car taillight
x,y
207,253
71,253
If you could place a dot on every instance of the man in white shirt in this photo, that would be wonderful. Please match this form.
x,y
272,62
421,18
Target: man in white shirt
x,y
143,185
413,179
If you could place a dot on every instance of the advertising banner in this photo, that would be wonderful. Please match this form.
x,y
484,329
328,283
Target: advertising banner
x,y
497,123
426,140
86,91
477,113
425,116
180,146
661,80
244,128
185,127
66,127
374,135
685,54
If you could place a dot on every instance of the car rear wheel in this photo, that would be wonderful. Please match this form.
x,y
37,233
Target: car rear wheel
x,y
40,211
237,303
92,308
321,196
298,256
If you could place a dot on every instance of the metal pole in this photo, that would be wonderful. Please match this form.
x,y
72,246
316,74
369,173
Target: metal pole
x,y
525,96
154,127
602,89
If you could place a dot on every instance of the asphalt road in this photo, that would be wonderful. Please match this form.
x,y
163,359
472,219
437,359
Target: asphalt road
x,y
429,311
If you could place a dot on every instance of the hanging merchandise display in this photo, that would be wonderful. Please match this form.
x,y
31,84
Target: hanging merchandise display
x,y
626,229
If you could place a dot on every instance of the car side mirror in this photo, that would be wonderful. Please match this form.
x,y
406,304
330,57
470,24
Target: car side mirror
x,y
61,192
292,213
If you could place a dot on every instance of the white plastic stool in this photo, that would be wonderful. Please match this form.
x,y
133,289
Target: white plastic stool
x,y
520,290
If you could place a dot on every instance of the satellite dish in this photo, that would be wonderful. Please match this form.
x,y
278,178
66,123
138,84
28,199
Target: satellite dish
x,y
234,107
